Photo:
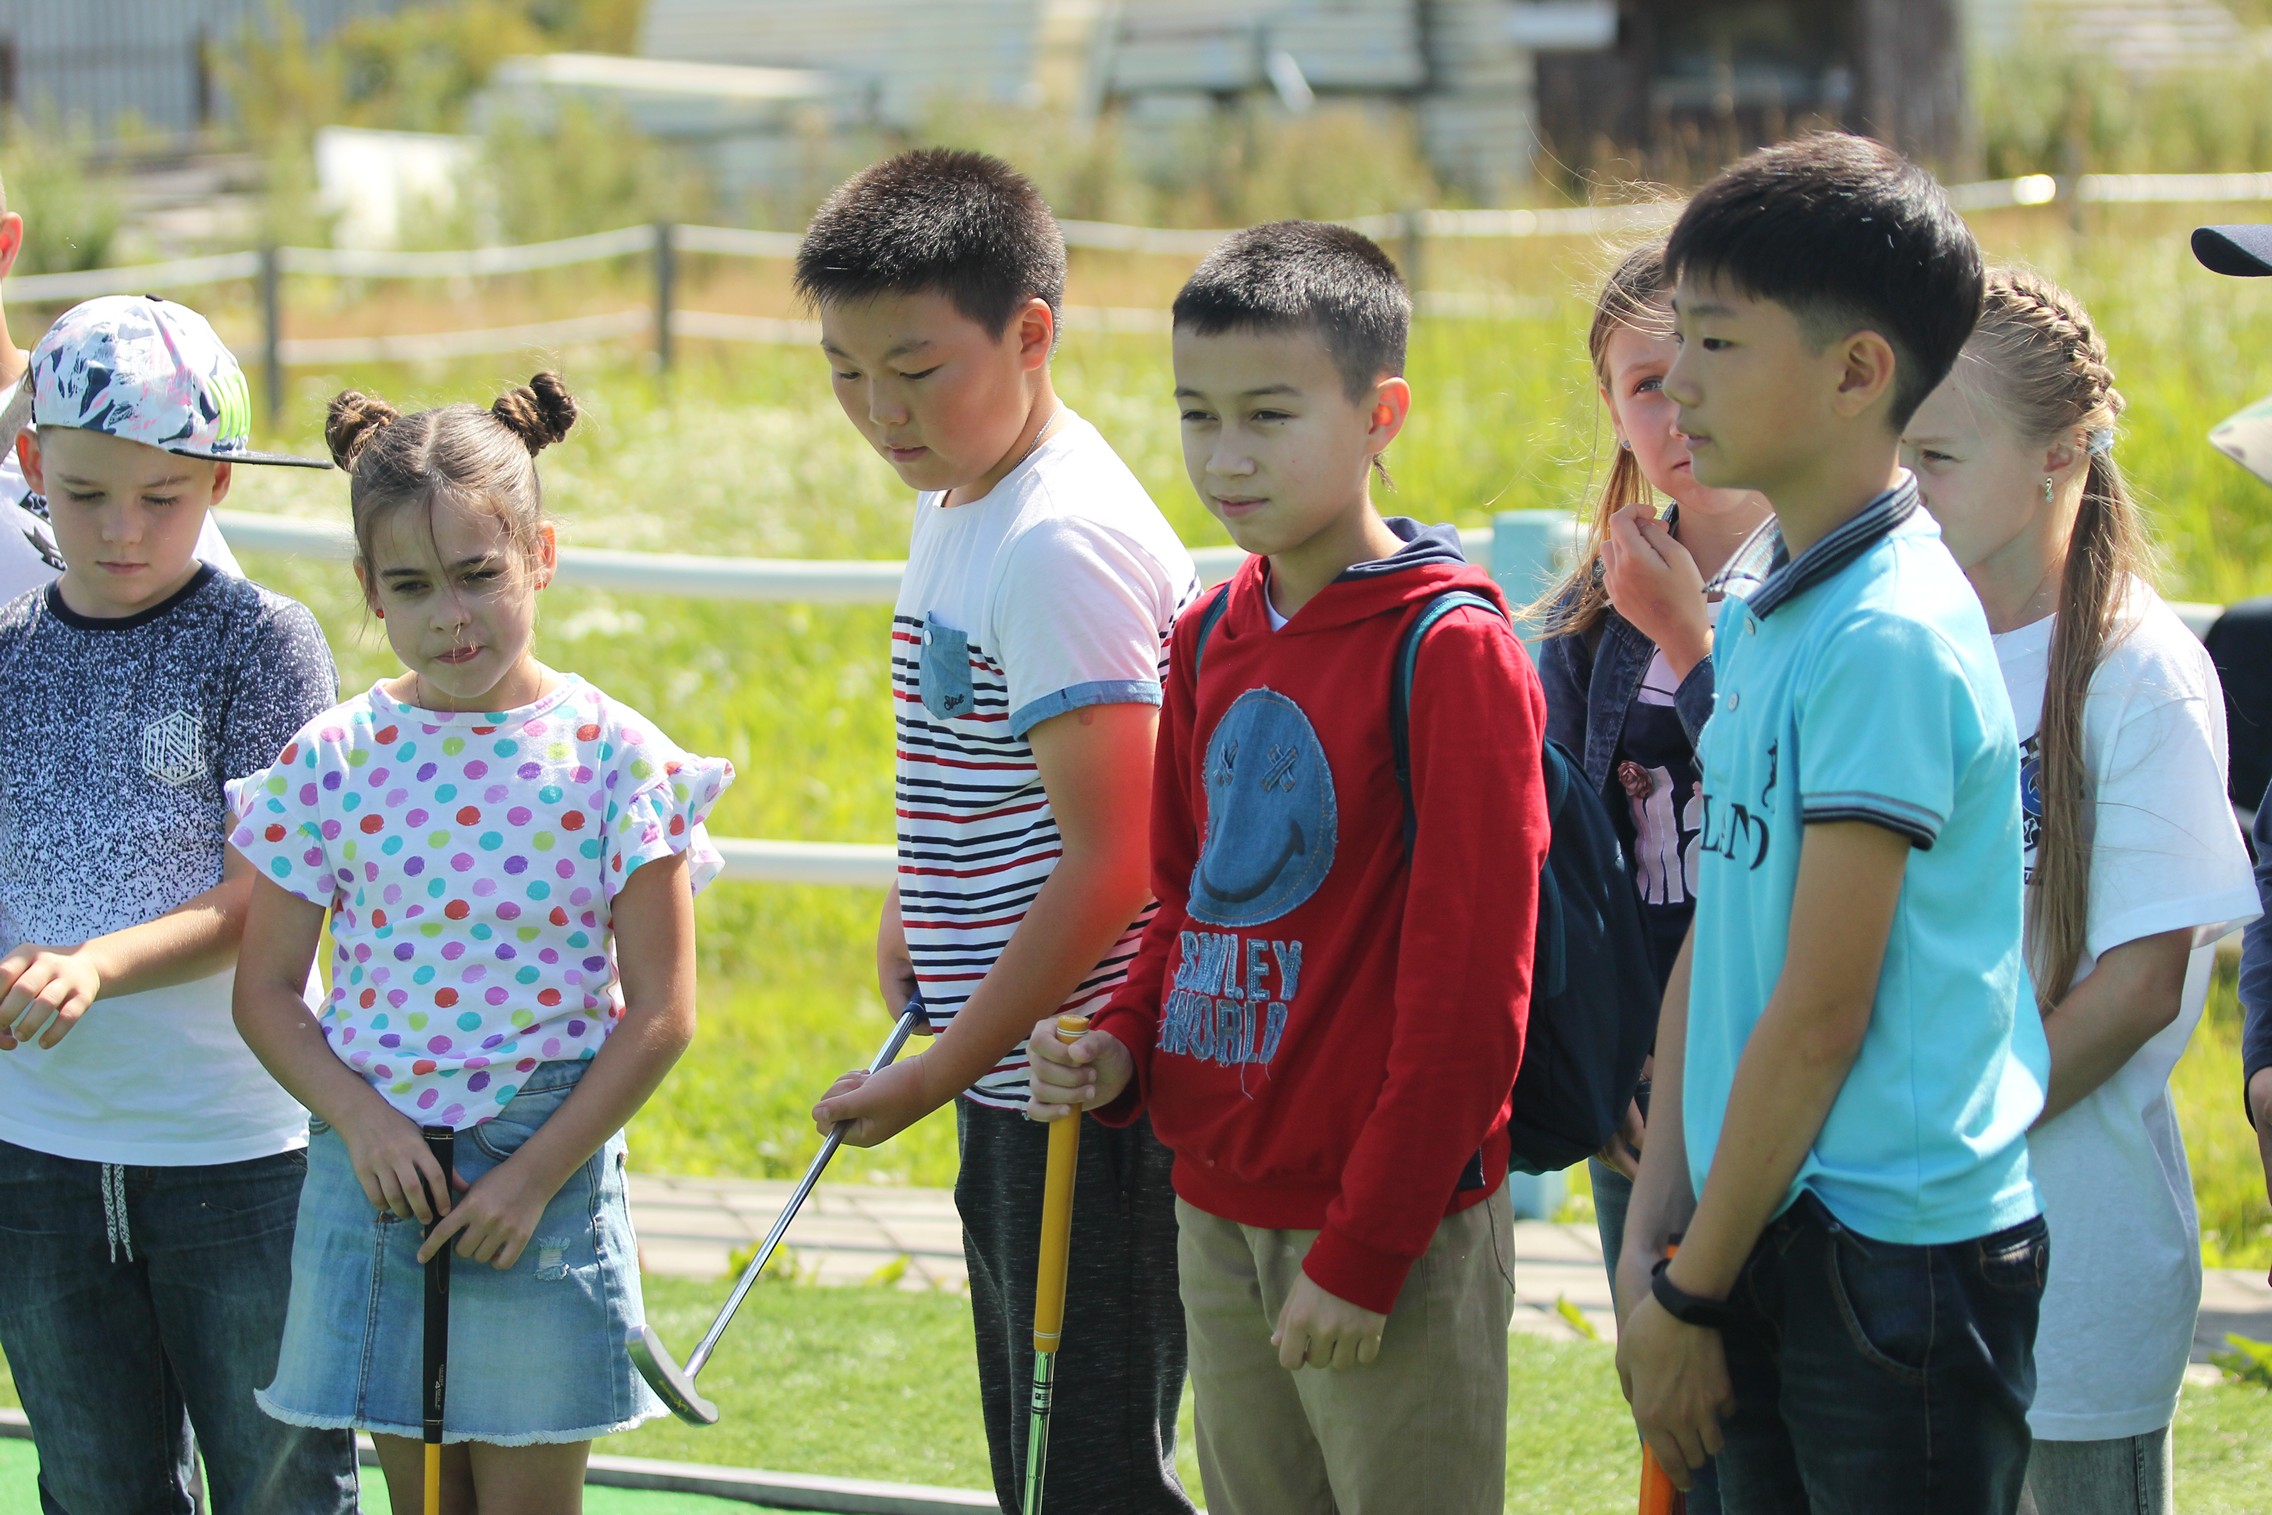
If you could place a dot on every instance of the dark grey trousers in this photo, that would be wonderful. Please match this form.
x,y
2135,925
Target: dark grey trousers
x,y
1120,1371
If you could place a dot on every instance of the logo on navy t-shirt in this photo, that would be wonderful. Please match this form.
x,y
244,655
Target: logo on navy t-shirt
x,y
173,749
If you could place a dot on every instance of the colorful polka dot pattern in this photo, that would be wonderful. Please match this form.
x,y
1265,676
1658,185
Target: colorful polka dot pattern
x,y
470,863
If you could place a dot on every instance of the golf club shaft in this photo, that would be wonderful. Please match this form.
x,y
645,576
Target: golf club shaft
x,y
1049,1277
441,1141
908,1021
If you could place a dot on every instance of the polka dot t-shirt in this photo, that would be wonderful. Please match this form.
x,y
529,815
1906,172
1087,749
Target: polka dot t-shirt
x,y
470,863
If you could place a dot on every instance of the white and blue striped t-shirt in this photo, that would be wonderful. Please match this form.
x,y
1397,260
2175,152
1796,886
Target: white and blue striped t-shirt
x,y
1056,591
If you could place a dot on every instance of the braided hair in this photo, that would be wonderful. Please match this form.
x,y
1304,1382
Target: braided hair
x,y
1637,296
484,458
2038,361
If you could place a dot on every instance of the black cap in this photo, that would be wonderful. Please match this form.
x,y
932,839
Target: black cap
x,y
2245,252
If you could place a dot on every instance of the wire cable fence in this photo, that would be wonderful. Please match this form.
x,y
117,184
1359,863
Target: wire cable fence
x,y
662,322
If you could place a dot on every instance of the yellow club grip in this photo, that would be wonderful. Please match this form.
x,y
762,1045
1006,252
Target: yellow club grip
x,y
1057,1212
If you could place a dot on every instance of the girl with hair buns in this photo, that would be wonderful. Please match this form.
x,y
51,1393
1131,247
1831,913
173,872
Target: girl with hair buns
x,y
507,859
2134,867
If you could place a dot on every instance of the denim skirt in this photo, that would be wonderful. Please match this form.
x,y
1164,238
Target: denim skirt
x,y
536,1351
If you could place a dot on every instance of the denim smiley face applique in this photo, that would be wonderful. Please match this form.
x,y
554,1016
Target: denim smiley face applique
x,y
1272,823
943,678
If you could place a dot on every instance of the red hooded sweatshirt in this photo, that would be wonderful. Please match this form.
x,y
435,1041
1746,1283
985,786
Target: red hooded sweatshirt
x,y
1326,1023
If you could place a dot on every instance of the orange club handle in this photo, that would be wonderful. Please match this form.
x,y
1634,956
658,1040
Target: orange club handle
x,y
1057,1212
1658,1496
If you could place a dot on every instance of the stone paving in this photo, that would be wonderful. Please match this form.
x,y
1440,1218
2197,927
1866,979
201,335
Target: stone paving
x,y
852,1233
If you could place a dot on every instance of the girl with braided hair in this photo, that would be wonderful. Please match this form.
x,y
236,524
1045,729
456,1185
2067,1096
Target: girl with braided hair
x,y
507,859
2134,867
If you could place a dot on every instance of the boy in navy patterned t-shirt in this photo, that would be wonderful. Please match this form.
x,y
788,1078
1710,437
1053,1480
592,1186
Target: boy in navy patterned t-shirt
x,y
149,1169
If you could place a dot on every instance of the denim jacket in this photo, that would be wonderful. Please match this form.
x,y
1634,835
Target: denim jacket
x,y
1591,677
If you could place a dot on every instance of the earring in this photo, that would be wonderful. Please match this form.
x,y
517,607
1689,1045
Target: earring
x,y
381,614
1624,444
2047,489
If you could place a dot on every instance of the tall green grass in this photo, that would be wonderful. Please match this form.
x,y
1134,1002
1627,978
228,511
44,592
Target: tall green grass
x,y
742,450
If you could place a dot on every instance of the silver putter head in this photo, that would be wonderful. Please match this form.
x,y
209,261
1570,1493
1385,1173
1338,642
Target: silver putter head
x,y
669,1381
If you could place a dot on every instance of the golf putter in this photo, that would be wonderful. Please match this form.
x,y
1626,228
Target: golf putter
x,y
1049,1278
673,1384
441,1141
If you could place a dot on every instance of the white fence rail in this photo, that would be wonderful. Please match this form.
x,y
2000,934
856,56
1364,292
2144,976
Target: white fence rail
x,y
685,575
812,581
1533,540
181,273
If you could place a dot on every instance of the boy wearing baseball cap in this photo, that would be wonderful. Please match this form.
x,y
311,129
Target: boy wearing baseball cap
x,y
149,1169
28,557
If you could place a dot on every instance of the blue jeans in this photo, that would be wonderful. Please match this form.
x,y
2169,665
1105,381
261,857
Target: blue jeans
x,y
1613,1196
1876,1379
142,1302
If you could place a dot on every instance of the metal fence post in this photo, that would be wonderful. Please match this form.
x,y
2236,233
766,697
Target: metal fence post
x,y
272,330
666,291
1413,251
1528,549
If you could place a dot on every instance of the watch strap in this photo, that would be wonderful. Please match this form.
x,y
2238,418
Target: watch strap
x,y
1689,1309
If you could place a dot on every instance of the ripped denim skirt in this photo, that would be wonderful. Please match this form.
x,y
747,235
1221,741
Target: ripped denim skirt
x,y
536,1351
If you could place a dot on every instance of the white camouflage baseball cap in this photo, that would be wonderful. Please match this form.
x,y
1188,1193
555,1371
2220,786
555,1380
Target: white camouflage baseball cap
x,y
147,370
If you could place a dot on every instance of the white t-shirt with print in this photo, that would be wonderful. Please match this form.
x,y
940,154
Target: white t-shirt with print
x,y
28,559
1056,591
2125,1279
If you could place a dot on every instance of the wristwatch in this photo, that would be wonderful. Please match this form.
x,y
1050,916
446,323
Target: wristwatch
x,y
1689,1309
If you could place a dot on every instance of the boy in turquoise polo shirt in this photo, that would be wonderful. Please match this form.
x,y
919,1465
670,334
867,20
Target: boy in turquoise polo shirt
x,y
1848,1045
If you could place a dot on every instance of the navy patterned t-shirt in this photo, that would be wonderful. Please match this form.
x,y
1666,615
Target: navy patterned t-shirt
x,y
116,737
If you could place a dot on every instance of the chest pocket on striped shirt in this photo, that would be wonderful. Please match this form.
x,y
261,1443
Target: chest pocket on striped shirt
x,y
944,677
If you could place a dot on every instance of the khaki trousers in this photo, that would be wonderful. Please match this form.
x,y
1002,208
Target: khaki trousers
x,y
1422,1430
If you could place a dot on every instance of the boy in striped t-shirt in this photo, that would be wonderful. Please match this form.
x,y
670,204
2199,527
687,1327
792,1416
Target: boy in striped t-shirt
x,y
1027,652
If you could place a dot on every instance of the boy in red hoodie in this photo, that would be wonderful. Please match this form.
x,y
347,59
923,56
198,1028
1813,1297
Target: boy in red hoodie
x,y
1325,1017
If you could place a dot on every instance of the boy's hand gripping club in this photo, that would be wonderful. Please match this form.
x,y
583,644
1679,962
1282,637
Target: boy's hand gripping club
x,y
441,1141
1049,1278
1658,1496
675,1385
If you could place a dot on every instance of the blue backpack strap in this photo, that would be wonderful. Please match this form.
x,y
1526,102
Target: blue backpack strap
x,y
1400,689
1219,602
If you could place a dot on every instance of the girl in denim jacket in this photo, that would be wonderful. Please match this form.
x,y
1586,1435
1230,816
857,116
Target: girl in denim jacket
x,y
1627,660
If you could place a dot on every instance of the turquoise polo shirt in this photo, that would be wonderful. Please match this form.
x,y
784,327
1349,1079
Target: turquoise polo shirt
x,y
1858,683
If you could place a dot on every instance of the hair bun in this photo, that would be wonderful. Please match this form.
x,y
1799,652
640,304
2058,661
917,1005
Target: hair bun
x,y
351,421
540,412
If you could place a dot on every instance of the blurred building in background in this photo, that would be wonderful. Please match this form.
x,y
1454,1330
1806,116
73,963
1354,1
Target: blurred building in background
x,y
761,93
105,66
1691,83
